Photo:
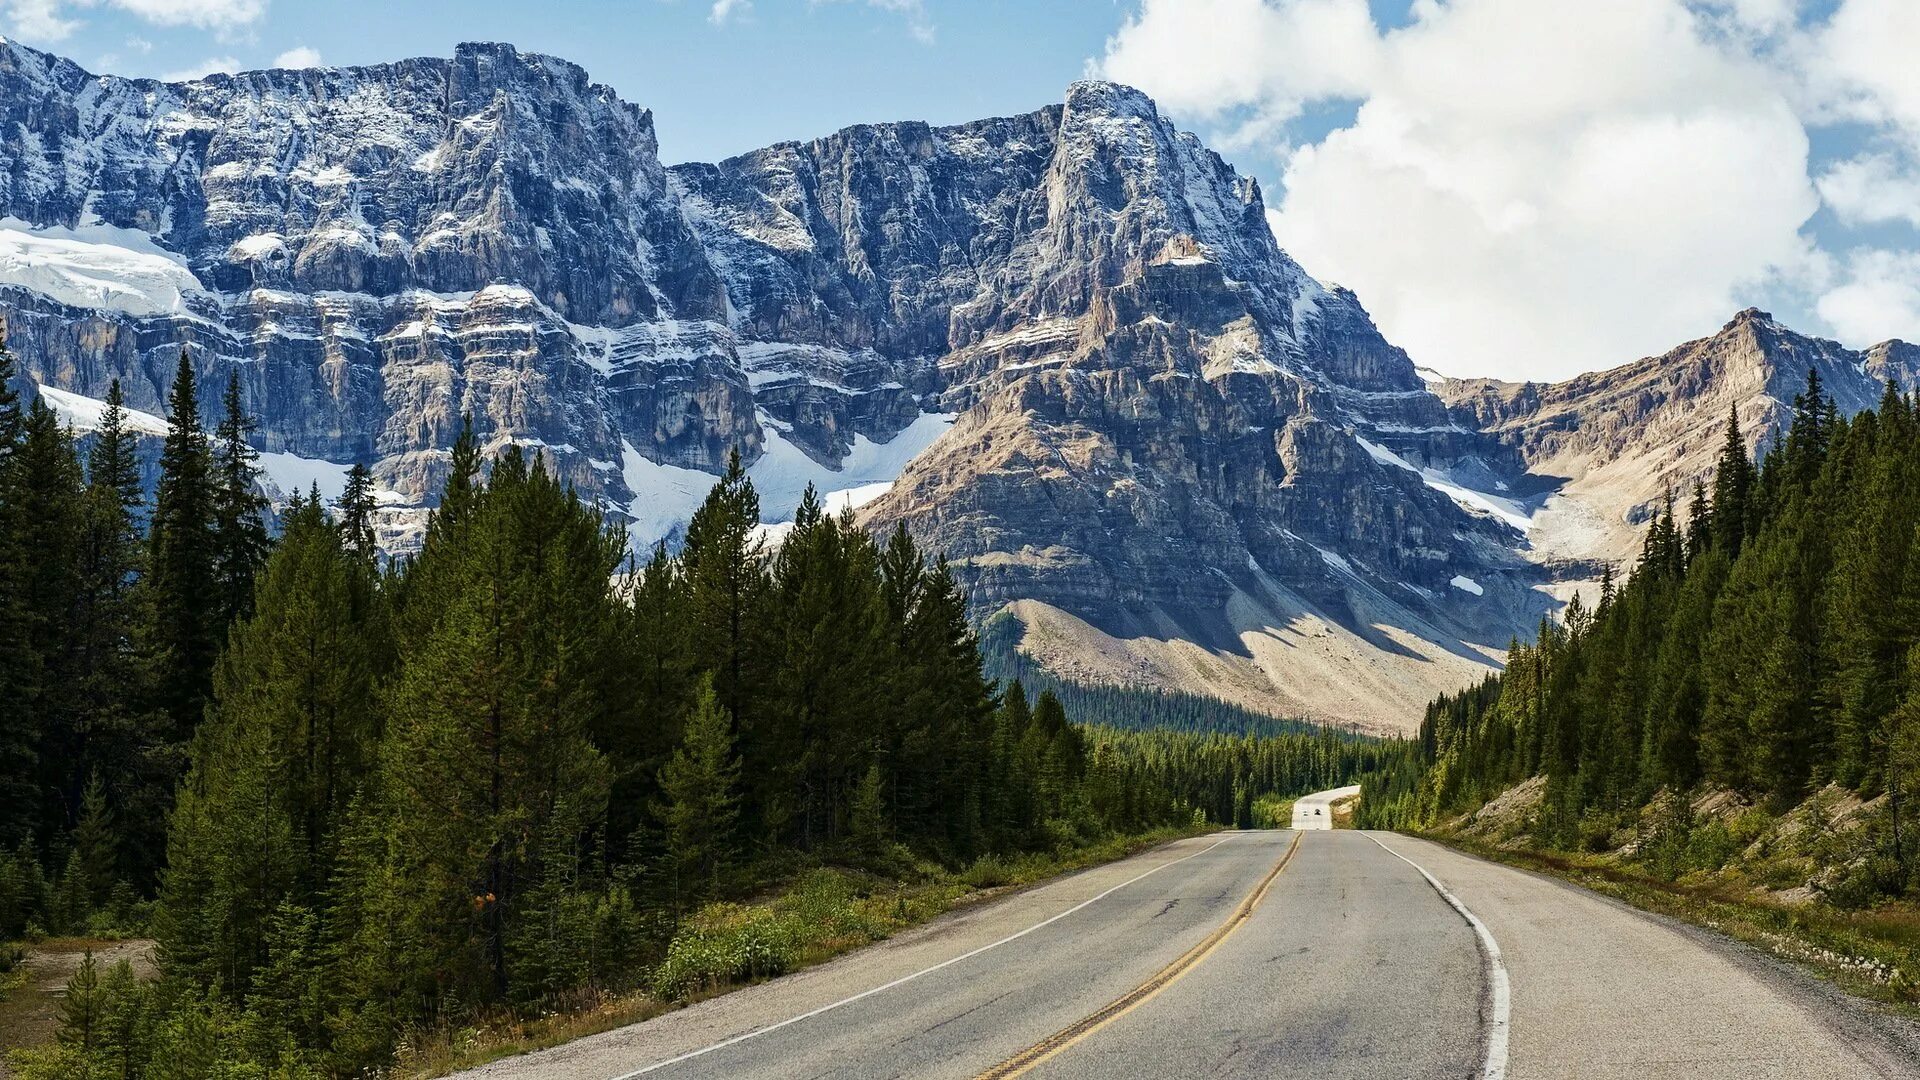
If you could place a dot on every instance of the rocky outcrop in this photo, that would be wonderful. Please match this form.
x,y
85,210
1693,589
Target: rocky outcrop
x,y
1615,442
1063,348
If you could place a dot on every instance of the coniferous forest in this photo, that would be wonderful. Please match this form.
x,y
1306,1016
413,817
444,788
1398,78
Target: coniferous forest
x,y
356,799
1765,644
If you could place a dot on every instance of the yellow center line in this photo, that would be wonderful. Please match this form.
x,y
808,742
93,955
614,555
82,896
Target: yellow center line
x,y
1078,1031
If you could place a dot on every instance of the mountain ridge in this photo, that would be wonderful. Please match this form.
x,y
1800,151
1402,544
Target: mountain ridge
x,y
1063,347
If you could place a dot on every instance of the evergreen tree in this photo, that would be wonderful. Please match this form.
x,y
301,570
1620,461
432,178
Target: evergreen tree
x,y
699,806
1732,489
491,795
239,526
19,723
95,846
109,739
42,490
183,604
725,590
357,507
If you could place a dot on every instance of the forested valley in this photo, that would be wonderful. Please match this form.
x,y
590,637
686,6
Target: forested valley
x,y
360,801
1762,654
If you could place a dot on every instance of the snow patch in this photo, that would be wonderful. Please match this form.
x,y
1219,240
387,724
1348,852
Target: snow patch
x,y
664,496
85,414
867,472
95,266
286,475
1467,584
1511,511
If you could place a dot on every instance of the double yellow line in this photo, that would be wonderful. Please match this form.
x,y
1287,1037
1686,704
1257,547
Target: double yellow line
x,y
1146,991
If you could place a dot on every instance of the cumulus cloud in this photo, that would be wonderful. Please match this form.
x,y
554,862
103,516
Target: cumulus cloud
x,y
50,21
303,56
725,10
212,65
1528,189
205,14
1534,187
1878,297
38,20
1872,188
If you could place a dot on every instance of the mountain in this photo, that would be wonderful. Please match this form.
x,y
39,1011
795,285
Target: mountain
x,y
1614,443
1063,347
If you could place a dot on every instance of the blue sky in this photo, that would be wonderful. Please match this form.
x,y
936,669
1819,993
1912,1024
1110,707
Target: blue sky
x,y
1516,187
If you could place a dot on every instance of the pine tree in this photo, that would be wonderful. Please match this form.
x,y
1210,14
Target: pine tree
x,y
357,507
20,729
45,489
83,1008
96,845
1732,489
725,590
491,795
239,527
182,602
699,807
664,677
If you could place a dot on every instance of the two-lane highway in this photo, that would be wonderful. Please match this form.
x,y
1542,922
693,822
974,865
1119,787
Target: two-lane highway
x,y
1273,954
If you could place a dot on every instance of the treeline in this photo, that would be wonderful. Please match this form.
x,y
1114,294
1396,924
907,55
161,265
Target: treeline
x,y
1137,708
1764,643
111,614
495,775
1223,776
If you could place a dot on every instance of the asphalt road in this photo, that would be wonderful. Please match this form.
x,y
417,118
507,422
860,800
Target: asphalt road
x,y
1197,959
1315,811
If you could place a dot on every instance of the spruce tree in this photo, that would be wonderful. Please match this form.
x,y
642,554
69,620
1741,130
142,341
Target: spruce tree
x,y
357,507
19,723
1732,489
110,739
491,796
45,489
239,526
699,800
725,597
183,604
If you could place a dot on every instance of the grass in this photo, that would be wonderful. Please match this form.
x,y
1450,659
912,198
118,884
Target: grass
x,y
1873,953
821,913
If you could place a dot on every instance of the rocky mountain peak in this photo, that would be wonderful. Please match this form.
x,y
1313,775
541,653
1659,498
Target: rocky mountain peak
x,y
1063,347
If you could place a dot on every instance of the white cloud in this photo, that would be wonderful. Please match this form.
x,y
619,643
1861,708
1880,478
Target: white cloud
x,y
304,56
1872,188
1528,189
212,65
48,20
38,20
205,14
725,10
1205,57
1878,298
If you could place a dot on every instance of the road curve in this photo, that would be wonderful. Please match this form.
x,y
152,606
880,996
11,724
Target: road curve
x,y
1315,811
1196,959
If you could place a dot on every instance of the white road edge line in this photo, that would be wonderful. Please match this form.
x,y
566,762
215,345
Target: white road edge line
x,y
904,979
1502,991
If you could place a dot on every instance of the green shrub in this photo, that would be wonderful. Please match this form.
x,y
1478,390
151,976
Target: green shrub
x,y
727,943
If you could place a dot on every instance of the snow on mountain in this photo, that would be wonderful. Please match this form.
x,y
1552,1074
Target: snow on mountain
x,y
86,415
1062,347
95,266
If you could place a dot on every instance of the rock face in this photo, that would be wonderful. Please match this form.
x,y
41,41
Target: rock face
x,y
1062,347
1615,442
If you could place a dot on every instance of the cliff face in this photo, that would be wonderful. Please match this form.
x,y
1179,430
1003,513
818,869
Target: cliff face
x,y
1615,442
1062,347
